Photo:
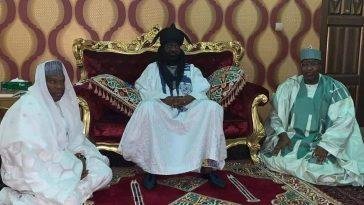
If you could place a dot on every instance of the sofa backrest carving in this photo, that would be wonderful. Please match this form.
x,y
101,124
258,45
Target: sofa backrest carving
x,y
127,61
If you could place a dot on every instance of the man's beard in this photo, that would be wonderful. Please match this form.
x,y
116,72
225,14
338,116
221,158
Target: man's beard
x,y
171,59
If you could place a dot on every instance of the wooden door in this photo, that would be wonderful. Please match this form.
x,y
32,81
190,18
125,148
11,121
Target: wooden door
x,y
341,42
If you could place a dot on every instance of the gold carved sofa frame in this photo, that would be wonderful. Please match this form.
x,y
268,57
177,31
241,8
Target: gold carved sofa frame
x,y
143,44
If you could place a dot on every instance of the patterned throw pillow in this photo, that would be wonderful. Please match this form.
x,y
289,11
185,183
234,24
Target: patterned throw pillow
x,y
225,84
119,93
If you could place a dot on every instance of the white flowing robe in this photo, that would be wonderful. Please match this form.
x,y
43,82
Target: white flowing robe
x,y
164,140
338,133
38,143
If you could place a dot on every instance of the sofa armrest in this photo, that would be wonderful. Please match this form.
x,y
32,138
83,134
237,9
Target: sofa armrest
x,y
245,102
245,108
260,98
255,96
85,115
88,108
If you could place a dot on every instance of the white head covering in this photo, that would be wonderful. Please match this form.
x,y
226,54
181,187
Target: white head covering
x,y
36,119
38,143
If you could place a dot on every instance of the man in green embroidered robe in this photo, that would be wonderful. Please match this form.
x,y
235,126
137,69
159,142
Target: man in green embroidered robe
x,y
312,132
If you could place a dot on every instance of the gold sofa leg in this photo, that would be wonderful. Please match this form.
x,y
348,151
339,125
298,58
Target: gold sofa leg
x,y
254,149
254,154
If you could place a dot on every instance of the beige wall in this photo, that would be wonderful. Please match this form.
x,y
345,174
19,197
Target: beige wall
x,y
25,39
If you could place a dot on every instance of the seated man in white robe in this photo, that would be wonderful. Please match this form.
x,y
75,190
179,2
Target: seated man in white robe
x,y
176,128
312,132
46,159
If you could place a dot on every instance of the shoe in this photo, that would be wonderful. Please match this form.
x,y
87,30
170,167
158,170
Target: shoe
x,y
150,181
215,180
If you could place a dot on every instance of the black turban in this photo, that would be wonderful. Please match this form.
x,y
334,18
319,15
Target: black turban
x,y
171,34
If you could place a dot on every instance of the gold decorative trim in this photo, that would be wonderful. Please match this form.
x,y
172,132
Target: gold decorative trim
x,y
108,146
235,141
86,115
143,44
214,47
137,46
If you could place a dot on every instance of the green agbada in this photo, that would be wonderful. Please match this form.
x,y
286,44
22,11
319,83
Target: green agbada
x,y
315,115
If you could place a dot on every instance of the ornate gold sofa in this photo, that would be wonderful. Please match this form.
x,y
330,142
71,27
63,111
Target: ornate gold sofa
x,y
104,124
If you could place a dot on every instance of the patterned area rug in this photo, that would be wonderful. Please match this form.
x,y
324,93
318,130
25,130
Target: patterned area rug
x,y
345,194
269,187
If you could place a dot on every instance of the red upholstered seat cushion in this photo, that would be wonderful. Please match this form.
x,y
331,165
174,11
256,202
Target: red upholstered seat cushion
x,y
111,131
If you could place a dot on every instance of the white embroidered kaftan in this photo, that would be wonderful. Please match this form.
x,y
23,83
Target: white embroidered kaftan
x,y
38,140
165,140
321,115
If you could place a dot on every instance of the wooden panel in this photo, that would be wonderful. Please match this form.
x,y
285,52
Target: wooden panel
x,y
346,79
342,36
345,7
344,21
344,47
360,98
353,90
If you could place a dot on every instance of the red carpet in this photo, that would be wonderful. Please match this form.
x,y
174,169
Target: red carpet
x,y
120,193
269,187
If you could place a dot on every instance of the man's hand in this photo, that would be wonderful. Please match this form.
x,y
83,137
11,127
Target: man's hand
x,y
178,101
170,100
83,160
320,154
283,142
185,100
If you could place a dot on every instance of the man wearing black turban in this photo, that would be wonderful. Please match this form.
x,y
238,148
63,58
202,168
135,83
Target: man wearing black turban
x,y
176,128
